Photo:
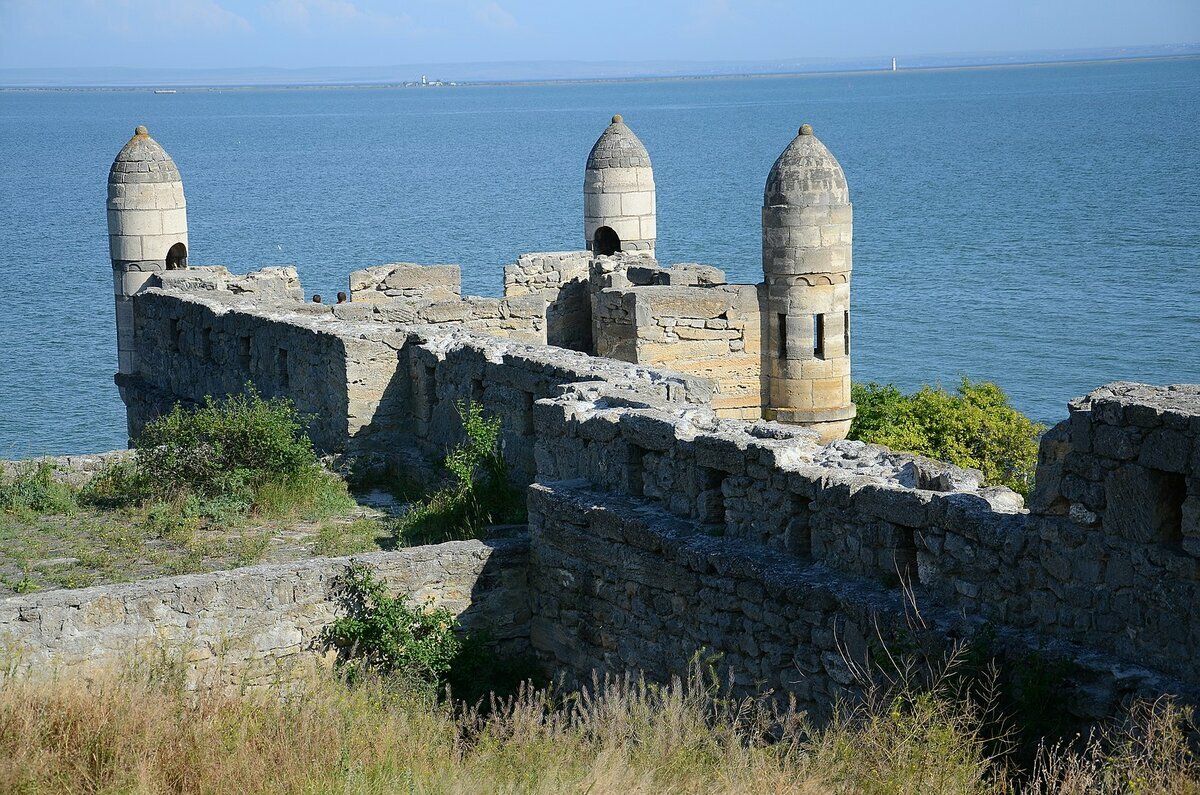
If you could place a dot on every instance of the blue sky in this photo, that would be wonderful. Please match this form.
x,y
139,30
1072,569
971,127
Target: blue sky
x,y
310,33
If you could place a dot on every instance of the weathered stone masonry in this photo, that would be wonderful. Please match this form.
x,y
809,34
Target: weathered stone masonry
x,y
258,625
635,473
664,516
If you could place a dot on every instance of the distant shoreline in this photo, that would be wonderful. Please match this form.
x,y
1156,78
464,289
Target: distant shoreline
x,y
180,88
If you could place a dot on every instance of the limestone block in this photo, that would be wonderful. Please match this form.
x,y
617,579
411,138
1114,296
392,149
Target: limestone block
x,y
829,392
1164,449
626,228
155,247
123,247
637,203
602,205
649,227
135,222
174,221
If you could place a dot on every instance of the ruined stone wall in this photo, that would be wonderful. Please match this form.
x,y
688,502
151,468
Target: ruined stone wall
x,y
711,332
619,584
407,280
372,386
190,348
73,469
521,318
1106,565
885,518
507,379
258,625
562,279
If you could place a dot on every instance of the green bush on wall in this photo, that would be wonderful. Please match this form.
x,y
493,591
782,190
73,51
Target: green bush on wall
x,y
229,456
972,427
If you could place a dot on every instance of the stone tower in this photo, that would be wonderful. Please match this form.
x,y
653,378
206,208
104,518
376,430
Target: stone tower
x,y
147,228
618,193
807,225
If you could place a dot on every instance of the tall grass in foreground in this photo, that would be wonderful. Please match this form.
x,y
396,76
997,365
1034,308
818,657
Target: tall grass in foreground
x,y
622,736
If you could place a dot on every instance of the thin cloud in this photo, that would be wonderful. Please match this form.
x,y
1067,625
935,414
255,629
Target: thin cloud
x,y
190,15
493,15
315,14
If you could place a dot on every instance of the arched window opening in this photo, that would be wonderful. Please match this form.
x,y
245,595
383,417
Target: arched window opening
x,y
177,257
606,241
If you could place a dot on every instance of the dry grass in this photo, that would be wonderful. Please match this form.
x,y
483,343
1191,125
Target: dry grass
x,y
623,736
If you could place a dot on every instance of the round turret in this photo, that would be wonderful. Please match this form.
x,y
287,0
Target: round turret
x,y
806,239
618,193
147,227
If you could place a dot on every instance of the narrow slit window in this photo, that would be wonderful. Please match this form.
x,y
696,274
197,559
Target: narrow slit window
x,y
712,498
819,336
635,472
244,354
206,344
176,334
429,392
783,351
285,377
528,413
846,330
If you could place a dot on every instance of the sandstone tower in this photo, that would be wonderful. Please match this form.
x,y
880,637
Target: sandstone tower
x,y
807,226
618,193
147,228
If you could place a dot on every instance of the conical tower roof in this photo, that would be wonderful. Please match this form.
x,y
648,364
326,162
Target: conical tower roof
x,y
143,160
805,175
618,147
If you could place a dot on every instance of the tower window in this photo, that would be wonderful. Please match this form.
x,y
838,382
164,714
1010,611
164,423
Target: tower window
x,y
606,241
846,330
177,257
782,332
819,336
244,353
176,335
284,375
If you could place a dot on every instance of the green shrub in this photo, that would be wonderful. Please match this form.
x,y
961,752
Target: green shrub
x,y
118,484
974,427
224,446
223,461
478,495
391,636
33,489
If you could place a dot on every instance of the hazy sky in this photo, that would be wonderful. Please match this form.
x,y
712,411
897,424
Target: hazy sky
x,y
301,33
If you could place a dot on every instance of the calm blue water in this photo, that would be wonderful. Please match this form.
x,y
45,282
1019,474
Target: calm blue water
x,y
1039,227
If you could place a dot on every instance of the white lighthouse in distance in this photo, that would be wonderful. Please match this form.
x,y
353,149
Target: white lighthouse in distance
x,y
893,64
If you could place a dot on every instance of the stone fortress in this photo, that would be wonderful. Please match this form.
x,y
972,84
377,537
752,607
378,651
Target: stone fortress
x,y
682,442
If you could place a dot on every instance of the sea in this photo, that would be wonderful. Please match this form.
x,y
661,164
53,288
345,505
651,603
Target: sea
x,y
1037,226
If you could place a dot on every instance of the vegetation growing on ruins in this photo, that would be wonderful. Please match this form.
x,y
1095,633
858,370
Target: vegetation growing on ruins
x,y
224,485
974,427
389,635
231,483
148,734
477,495
242,453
